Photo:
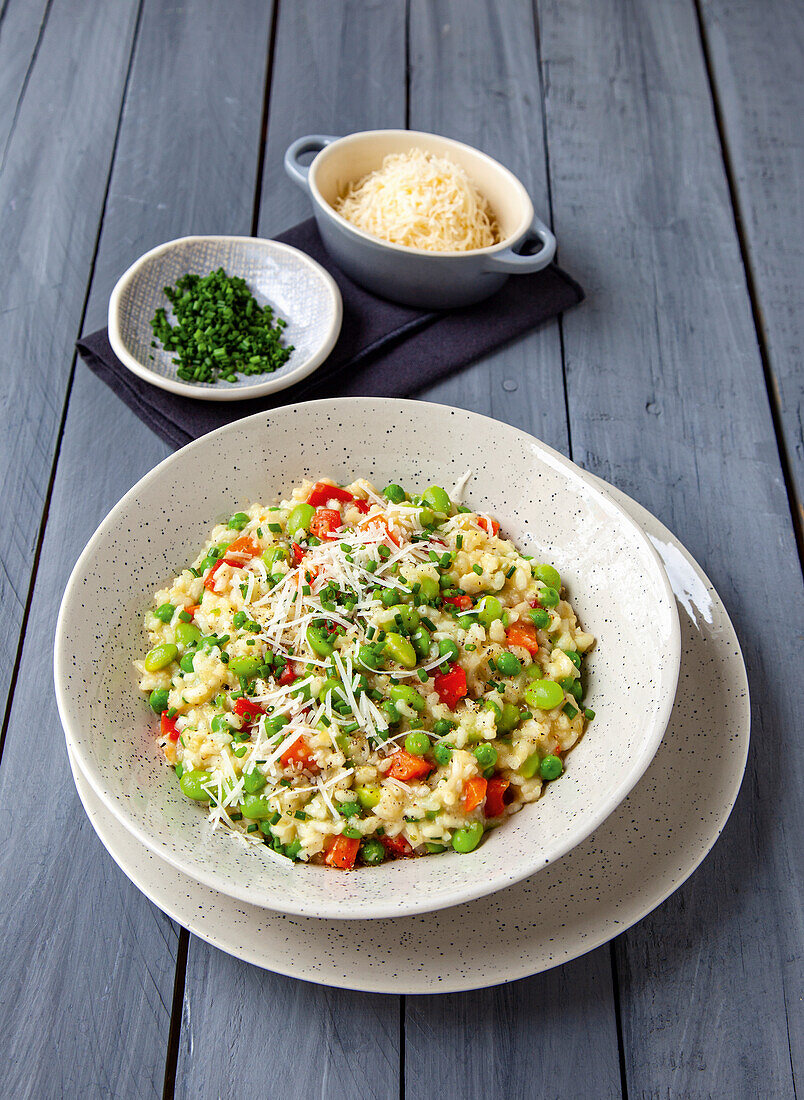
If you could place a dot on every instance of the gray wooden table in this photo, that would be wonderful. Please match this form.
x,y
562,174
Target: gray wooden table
x,y
663,140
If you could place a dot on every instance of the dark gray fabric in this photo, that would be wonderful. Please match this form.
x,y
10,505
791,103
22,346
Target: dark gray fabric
x,y
384,350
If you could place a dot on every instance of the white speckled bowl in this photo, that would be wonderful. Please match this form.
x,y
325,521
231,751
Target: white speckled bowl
x,y
298,289
545,503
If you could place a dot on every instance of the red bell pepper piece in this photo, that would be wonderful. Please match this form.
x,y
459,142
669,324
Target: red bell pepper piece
x,y
244,546
209,580
474,791
451,686
325,522
167,726
299,753
322,492
463,603
405,766
484,524
289,674
361,505
298,553
247,708
341,852
397,846
497,796
523,635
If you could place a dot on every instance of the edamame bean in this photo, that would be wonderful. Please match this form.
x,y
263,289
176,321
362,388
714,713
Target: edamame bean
x,y
160,657
245,666
467,838
272,555
334,686
428,588
158,700
319,641
539,617
489,704
389,597
486,755
510,718
253,781
417,743
433,848
165,612
574,656
256,807
300,519
187,634
547,575
574,687
194,784
238,521
275,724
420,640
372,851
426,517
530,766
400,650
366,656
438,499
551,768
548,597
368,796
490,609
409,616
448,649
395,493
545,694
404,693
508,664
391,713
186,663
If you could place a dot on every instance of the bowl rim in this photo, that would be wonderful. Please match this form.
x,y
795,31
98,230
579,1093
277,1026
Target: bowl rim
x,y
474,887
409,250
217,392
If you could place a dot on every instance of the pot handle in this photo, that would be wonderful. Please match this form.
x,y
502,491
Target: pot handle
x,y
514,263
310,143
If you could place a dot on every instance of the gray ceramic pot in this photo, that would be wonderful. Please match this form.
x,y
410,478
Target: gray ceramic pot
x,y
413,276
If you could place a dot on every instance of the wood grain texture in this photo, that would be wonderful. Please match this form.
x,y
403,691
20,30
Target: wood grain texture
x,y
22,25
475,76
337,67
667,399
757,58
52,184
85,1003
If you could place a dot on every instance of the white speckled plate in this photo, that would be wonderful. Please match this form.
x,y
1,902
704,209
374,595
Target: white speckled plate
x,y
297,288
639,856
545,503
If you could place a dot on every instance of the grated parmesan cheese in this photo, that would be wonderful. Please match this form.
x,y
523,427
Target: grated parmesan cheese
x,y
419,200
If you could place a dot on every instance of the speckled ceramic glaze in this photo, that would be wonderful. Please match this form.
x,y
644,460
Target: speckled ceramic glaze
x,y
298,289
547,505
631,863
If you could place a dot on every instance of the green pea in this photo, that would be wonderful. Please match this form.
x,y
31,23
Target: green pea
x,y
165,612
160,657
574,687
238,521
531,673
391,713
438,499
410,617
272,555
187,634
372,851
466,622
548,597
510,718
349,809
551,767
486,755
404,693
441,727
539,617
395,493
508,664
213,554
400,650
547,575
255,807
574,656
390,597
428,588
186,663
545,694
447,648
366,656
253,781
300,519
194,785
368,796
489,704
530,766
319,641
417,743
158,700
426,517
442,753
490,609
467,838
433,848
245,666
334,686
420,640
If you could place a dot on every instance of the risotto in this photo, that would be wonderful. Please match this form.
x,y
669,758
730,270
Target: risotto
x,y
353,676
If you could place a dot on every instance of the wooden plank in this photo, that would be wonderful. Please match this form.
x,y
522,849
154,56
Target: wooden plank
x,y
22,26
475,76
337,67
86,999
756,55
51,190
667,399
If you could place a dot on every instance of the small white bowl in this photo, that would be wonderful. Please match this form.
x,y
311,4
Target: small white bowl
x,y
545,503
298,289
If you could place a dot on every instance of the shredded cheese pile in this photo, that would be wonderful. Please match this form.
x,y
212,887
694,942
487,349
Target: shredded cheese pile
x,y
420,200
